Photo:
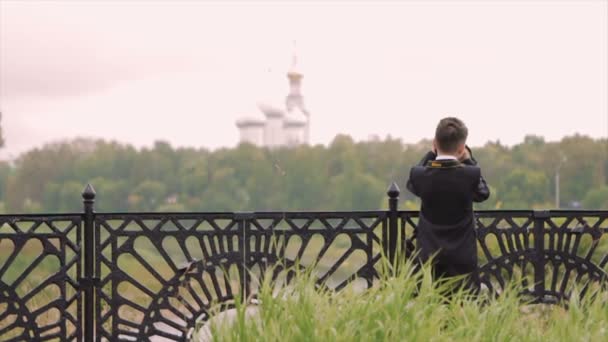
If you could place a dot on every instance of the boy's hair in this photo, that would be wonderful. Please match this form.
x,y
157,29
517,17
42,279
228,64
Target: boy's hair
x,y
450,133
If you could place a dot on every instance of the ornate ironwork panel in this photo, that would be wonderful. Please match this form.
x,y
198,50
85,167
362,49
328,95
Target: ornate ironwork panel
x,y
340,248
162,273
143,260
569,254
506,249
40,266
575,253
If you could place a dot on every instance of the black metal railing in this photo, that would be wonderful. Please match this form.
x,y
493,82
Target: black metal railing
x,y
141,276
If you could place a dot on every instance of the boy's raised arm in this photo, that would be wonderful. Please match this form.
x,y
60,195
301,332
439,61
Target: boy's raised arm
x,y
482,191
430,155
469,160
410,185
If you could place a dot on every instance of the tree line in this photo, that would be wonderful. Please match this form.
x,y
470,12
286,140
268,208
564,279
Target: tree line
x,y
345,175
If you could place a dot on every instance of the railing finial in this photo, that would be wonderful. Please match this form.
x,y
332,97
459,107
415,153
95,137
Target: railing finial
x,y
393,190
88,194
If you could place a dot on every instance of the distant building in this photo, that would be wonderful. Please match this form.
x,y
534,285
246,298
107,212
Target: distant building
x,y
282,125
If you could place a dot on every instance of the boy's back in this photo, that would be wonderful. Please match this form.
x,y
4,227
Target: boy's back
x,y
446,188
448,185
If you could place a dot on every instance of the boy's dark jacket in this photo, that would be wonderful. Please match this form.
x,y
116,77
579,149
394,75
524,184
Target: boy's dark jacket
x,y
447,189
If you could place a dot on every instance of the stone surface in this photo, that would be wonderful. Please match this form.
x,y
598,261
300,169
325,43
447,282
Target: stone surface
x,y
227,317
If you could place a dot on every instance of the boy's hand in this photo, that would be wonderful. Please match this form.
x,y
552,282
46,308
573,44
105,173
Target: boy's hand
x,y
464,155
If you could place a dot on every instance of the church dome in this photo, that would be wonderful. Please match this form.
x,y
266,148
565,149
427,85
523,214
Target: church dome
x,y
271,109
251,117
249,121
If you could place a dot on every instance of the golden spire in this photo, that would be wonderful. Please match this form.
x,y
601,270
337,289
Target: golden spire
x,y
293,70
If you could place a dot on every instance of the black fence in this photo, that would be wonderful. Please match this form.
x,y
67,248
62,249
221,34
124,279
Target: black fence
x,y
153,276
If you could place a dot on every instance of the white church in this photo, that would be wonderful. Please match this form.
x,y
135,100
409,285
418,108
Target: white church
x,y
280,125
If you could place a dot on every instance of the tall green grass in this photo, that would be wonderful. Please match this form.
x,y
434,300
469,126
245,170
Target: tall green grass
x,y
407,307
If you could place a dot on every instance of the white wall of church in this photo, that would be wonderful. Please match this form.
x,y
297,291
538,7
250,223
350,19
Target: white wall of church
x,y
253,135
295,135
273,132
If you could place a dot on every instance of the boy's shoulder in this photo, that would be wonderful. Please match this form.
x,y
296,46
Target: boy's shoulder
x,y
433,165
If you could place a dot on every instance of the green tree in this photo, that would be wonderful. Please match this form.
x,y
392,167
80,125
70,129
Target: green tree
x,y
344,175
597,199
523,188
150,194
112,195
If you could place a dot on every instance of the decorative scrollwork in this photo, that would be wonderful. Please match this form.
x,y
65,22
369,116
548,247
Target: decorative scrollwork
x,y
161,274
39,268
16,321
146,262
571,255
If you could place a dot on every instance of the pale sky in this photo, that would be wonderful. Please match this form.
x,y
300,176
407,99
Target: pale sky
x,y
183,72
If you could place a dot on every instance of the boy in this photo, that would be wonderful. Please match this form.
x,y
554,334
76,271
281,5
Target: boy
x,y
448,181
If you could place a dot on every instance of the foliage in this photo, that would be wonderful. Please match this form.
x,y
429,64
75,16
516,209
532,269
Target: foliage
x,y
345,175
596,198
407,307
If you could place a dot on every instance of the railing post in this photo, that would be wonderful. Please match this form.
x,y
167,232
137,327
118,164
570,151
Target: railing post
x,y
393,222
244,227
540,216
88,196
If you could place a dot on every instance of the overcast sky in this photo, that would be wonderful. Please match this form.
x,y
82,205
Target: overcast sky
x,y
185,71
